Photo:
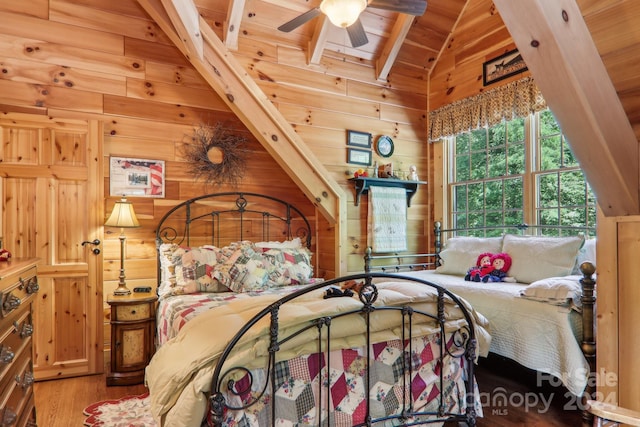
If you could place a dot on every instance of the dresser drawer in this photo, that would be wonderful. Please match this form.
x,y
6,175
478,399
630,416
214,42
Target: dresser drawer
x,y
15,337
130,312
17,392
17,289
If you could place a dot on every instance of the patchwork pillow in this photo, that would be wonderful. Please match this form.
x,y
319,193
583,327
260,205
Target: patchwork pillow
x,y
291,266
167,267
245,268
461,253
536,257
193,270
563,291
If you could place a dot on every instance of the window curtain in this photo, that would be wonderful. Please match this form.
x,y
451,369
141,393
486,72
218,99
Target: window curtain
x,y
516,99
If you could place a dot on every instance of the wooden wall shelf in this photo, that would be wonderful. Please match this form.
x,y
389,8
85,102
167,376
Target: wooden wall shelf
x,y
362,185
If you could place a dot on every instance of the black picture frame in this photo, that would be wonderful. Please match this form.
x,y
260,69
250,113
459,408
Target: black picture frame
x,y
503,66
358,139
359,157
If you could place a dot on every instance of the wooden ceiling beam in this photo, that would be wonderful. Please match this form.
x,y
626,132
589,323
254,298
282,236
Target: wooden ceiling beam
x,y
245,98
559,51
189,32
319,39
392,47
232,24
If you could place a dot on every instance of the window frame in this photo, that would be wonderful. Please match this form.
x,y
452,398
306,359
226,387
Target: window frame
x,y
531,209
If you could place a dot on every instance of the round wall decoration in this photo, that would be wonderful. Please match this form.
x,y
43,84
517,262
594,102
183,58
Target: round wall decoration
x,y
216,155
384,146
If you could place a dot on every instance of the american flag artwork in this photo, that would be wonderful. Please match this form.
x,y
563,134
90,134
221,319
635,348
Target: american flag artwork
x,y
136,177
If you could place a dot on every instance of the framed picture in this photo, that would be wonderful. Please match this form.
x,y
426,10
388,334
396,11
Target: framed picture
x,y
503,66
359,157
358,139
136,177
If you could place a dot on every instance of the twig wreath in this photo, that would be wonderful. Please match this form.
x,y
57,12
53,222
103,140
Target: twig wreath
x,y
216,155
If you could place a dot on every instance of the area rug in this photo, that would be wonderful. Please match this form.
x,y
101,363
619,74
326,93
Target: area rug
x,y
128,411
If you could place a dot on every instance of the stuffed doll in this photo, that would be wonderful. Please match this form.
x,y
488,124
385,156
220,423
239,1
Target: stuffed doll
x,y
482,268
4,255
500,263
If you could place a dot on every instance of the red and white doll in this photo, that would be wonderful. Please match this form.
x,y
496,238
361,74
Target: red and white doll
x,y
482,268
500,263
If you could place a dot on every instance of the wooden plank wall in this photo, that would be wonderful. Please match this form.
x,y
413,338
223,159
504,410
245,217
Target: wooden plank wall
x,y
106,60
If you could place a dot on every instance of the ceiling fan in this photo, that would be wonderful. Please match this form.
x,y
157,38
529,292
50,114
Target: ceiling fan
x,y
346,14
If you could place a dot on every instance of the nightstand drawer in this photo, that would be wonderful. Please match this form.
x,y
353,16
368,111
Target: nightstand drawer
x,y
133,312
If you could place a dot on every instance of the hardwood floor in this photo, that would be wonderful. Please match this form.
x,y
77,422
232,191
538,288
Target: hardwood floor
x,y
59,403
529,401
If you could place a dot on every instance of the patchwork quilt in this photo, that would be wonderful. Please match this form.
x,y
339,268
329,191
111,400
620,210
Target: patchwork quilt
x,y
307,386
179,375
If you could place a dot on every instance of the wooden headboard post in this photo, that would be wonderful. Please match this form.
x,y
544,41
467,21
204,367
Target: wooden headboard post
x,y
588,344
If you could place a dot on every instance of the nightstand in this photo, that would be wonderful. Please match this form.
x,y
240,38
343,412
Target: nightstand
x,y
133,320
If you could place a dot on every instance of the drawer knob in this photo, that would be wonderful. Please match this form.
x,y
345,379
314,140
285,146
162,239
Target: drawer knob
x,y
11,302
26,380
6,355
32,285
26,330
8,417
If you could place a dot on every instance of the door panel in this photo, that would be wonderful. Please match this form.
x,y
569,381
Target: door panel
x,y
51,187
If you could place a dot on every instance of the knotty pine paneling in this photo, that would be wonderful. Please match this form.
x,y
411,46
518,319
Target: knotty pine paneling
x,y
42,29
122,71
48,52
110,21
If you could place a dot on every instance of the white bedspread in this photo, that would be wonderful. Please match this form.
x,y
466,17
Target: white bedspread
x,y
537,335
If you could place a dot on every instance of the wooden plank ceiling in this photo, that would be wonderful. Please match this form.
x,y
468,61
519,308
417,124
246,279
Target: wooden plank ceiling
x,y
398,40
393,38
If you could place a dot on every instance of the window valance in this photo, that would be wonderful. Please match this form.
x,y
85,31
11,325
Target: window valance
x,y
516,99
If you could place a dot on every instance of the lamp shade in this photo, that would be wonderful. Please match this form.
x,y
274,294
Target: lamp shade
x,y
343,13
123,215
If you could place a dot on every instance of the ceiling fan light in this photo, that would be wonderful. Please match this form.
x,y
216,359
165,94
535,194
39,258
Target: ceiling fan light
x,y
343,13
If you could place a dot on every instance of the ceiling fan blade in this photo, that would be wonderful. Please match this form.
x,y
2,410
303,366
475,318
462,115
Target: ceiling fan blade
x,y
357,35
410,7
299,20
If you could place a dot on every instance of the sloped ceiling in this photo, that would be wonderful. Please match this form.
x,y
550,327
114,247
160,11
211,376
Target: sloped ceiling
x,y
608,149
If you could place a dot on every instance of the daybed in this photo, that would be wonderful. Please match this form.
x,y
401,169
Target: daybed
x,y
284,348
542,316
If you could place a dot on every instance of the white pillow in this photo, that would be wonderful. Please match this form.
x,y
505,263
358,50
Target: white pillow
x,y
536,257
586,253
555,290
288,244
461,253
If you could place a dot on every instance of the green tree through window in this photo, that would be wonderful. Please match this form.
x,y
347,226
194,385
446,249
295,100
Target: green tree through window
x,y
521,171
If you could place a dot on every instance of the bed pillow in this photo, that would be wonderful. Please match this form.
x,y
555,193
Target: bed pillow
x,y
167,277
536,257
245,268
193,268
287,244
563,291
586,253
461,253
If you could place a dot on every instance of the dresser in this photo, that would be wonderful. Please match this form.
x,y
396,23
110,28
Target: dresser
x,y
18,286
133,320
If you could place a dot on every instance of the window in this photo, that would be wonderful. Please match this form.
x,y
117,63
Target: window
x,y
521,171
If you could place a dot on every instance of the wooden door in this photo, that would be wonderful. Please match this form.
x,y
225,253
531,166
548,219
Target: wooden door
x,y
52,194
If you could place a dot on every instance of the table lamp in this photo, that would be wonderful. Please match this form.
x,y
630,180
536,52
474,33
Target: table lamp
x,y
122,216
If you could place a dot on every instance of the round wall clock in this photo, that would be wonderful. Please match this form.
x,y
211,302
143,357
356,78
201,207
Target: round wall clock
x,y
384,146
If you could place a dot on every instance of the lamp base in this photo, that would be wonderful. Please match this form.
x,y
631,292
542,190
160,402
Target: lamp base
x,y
121,290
